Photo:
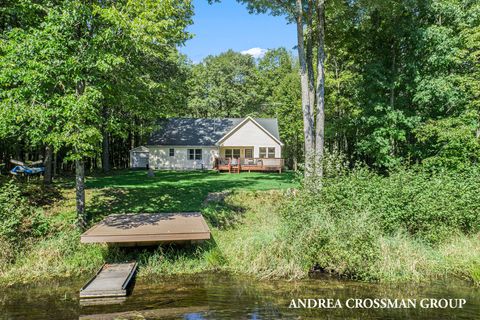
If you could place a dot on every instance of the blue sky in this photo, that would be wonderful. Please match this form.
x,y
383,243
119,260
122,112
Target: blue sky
x,y
228,25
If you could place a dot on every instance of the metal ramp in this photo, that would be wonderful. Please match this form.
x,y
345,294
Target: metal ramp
x,y
112,280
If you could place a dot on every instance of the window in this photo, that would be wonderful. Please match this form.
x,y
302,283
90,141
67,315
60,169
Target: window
x,y
171,152
267,152
248,153
194,154
232,153
270,152
263,152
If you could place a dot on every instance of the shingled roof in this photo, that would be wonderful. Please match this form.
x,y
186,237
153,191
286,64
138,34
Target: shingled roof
x,y
201,132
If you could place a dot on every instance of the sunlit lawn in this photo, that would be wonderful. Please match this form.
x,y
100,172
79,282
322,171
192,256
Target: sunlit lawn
x,y
172,191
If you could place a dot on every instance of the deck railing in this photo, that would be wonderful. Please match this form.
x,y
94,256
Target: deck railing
x,y
246,162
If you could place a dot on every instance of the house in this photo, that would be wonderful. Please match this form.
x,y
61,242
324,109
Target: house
x,y
226,144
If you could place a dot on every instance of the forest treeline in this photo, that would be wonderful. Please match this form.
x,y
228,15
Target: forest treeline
x,y
402,84
402,81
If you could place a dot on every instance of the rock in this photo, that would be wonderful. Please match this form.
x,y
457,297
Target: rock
x,y
217,196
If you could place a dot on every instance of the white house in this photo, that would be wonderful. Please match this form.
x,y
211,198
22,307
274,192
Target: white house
x,y
233,144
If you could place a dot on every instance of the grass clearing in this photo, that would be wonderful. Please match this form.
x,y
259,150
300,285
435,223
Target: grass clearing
x,y
60,254
266,230
173,191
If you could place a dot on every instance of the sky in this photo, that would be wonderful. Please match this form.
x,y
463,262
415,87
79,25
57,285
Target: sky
x,y
228,25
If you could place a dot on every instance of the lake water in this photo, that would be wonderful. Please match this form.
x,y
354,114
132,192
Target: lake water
x,y
223,296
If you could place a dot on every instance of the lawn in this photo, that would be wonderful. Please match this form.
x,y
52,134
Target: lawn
x,y
172,191
60,254
260,232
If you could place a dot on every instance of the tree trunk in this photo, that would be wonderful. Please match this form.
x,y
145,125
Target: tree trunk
x,y
105,152
309,54
392,98
80,174
80,193
55,163
320,94
306,106
47,177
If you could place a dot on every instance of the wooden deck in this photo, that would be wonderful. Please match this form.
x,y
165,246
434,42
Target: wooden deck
x,y
235,169
249,165
148,229
112,280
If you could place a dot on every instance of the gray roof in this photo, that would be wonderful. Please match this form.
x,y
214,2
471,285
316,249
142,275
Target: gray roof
x,y
201,132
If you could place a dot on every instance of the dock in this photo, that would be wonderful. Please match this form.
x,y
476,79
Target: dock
x,y
112,280
148,229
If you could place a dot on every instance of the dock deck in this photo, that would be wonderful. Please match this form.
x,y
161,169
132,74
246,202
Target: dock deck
x,y
148,229
112,280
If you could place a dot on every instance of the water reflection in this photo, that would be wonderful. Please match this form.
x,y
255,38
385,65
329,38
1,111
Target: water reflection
x,y
220,296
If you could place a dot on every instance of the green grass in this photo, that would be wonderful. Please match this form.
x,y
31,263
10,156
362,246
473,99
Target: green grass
x,y
60,254
173,191
265,230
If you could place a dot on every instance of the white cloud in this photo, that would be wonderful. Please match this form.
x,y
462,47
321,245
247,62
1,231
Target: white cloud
x,y
255,52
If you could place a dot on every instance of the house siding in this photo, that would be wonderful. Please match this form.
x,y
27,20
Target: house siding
x,y
159,157
250,135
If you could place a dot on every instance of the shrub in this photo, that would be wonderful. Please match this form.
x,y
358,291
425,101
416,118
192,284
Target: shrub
x,y
345,226
18,219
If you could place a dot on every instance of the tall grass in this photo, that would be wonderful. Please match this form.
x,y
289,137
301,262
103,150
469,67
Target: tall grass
x,y
409,226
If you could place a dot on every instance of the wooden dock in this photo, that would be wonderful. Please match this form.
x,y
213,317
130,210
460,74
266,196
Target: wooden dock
x,y
148,229
112,280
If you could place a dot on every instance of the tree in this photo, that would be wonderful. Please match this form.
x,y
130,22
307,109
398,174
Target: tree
x,y
309,17
287,100
273,68
84,57
224,86
448,85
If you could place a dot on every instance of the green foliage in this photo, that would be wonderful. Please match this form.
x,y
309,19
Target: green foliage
x,y
226,85
341,227
89,67
402,81
475,273
235,85
286,105
427,206
19,220
344,230
450,142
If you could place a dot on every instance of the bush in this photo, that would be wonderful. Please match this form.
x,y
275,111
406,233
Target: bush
x,y
431,207
18,219
345,226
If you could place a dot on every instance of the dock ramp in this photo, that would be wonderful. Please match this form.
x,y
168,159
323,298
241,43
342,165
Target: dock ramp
x,y
112,280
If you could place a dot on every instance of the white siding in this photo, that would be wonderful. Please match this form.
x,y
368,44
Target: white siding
x,y
138,159
250,135
160,158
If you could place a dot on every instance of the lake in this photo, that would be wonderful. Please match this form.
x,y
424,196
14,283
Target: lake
x,y
224,296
